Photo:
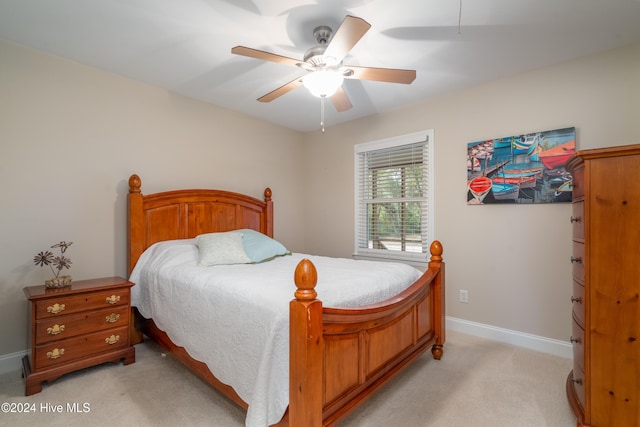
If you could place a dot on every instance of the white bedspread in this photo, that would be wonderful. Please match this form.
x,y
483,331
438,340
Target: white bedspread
x,y
235,318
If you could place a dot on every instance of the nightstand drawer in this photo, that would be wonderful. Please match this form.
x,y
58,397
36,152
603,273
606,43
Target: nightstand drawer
x,y
62,327
62,305
61,352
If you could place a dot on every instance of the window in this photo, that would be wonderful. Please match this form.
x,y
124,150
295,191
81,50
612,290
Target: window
x,y
394,203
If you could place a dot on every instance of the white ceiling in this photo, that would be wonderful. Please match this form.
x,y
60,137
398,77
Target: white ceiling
x,y
184,45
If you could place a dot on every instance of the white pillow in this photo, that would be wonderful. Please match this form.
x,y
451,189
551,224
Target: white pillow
x,y
221,249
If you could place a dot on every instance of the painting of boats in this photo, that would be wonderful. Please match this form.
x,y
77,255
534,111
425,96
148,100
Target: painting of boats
x,y
526,168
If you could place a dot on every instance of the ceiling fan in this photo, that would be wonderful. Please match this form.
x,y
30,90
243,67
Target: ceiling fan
x,y
323,63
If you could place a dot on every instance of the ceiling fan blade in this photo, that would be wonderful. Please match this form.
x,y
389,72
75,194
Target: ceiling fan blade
x,y
285,88
341,100
345,38
265,56
390,75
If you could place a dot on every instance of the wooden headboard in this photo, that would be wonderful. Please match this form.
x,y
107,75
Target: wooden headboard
x,y
183,214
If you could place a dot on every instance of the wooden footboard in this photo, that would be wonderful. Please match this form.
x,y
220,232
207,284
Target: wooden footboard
x,y
340,357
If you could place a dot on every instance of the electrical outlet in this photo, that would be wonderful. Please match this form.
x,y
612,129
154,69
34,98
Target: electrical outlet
x,y
464,296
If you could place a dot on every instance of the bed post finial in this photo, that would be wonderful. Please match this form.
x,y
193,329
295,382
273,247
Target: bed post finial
x,y
436,251
134,183
306,278
268,213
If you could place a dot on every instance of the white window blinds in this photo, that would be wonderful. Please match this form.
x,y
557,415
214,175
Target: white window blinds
x,y
394,181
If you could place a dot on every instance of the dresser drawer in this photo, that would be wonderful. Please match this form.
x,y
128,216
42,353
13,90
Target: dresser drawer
x,y
61,352
577,342
578,182
577,261
62,327
577,220
577,300
578,384
62,305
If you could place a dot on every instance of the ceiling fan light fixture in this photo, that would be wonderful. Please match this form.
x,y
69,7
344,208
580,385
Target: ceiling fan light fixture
x,y
323,83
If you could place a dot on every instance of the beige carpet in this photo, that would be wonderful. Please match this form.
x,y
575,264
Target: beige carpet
x,y
477,383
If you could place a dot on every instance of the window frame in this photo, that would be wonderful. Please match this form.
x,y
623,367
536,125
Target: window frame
x,y
413,258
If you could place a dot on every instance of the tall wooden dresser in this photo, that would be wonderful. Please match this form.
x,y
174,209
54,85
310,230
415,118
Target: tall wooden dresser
x,y
604,387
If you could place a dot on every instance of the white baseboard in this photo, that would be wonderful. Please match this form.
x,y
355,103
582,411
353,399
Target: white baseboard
x,y
11,362
520,339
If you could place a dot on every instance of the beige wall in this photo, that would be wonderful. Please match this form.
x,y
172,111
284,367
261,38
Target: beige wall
x,y
514,260
70,136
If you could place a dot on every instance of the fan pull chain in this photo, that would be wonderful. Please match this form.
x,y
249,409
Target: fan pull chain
x,y
322,112
460,18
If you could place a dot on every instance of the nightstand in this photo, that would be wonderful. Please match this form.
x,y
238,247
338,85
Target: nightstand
x,y
75,327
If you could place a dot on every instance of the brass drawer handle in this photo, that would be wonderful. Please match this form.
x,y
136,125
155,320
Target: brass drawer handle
x,y
576,299
112,339
574,340
575,219
55,329
112,318
55,308
113,299
55,353
576,259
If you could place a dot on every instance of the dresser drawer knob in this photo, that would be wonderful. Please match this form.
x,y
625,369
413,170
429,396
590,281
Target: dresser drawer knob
x,y
55,353
576,299
113,299
55,329
575,219
112,318
574,340
576,259
55,308
112,339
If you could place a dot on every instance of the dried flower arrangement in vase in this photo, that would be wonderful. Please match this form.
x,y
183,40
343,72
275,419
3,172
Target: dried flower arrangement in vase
x,y
60,262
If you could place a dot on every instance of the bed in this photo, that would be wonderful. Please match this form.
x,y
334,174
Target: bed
x,y
337,357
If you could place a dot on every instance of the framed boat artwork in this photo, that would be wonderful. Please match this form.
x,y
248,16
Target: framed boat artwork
x,y
524,169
